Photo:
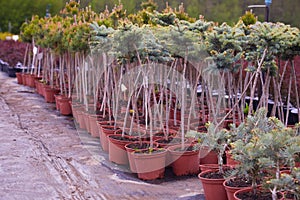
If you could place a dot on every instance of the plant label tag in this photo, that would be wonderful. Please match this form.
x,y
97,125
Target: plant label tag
x,y
35,50
123,88
40,56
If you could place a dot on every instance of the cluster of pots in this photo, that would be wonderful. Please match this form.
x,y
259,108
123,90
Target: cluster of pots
x,y
131,147
145,155
233,188
50,93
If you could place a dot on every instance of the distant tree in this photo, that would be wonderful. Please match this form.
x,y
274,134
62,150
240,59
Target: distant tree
x,y
14,12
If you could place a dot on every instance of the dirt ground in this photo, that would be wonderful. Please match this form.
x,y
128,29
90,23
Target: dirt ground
x,y
43,156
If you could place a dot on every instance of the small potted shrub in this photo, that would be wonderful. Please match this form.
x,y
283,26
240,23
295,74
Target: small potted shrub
x,y
266,146
212,180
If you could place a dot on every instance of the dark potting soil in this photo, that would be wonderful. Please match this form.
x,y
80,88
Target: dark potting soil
x,y
214,175
111,128
160,134
189,148
133,133
239,182
150,151
119,137
289,195
169,140
139,145
217,174
261,195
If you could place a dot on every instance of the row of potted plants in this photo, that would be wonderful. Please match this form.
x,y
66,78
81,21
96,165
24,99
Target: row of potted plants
x,y
146,152
51,94
147,156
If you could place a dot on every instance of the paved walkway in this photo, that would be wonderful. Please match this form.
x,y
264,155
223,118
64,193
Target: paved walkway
x,y
43,156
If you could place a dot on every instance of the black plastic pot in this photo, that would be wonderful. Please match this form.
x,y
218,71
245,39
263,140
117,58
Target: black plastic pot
x,y
5,68
11,71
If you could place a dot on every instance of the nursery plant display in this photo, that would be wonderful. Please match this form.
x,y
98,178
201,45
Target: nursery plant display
x,y
155,76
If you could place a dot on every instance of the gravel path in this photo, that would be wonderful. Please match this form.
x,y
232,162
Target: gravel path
x,y
43,156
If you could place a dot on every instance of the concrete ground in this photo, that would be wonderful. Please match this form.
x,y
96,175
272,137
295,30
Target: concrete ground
x,y
43,156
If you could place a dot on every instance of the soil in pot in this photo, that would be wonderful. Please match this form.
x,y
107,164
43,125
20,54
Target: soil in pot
x,y
161,135
116,146
289,196
164,143
247,194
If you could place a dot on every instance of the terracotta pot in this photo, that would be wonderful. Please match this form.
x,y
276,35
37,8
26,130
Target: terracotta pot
x,y
116,145
230,160
207,156
93,125
81,120
31,80
43,89
213,188
23,75
150,166
184,162
163,143
247,190
75,110
231,190
27,77
57,97
38,86
105,131
19,77
206,167
87,121
64,106
49,94
131,147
